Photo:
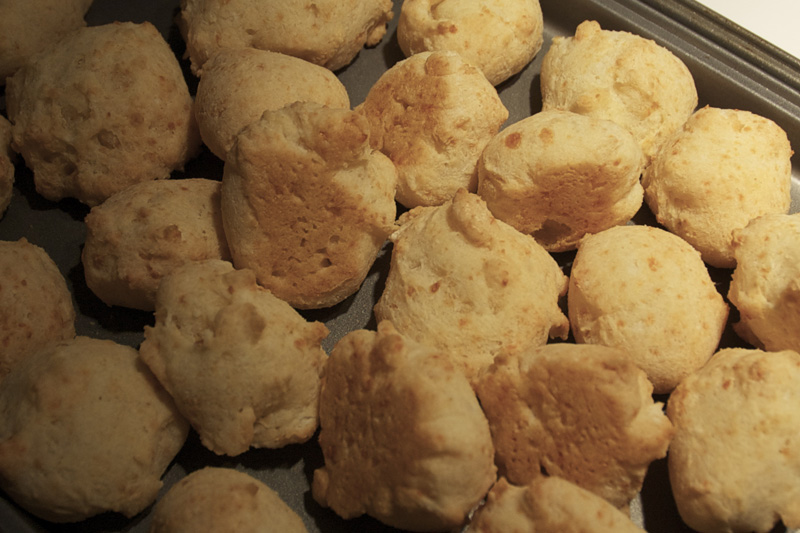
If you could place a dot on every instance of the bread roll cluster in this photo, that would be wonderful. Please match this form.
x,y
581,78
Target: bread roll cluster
x,y
529,350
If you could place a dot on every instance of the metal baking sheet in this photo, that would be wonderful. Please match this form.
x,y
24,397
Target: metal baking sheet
x,y
732,69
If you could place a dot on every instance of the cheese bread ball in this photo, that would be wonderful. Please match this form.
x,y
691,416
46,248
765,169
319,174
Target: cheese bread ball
x,y
85,428
558,176
329,33
140,234
500,36
622,77
242,365
578,411
734,463
6,165
433,114
104,109
470,285
722,169
765,287
307,203
548,504
29,27
35,303
403,436
239,84
647,292
223,499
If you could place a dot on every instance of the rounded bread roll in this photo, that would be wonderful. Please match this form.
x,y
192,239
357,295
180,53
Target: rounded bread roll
x,y
85,428
734,463
558,176
35,303
647,292
306,203
432,115
329,33
239,84
243,366
223,499
724,168
765,287
470,285
501,37
140,234
402,434
29,27
104,109
578,411
548,504
619,76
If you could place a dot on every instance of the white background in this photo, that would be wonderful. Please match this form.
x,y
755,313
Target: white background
x,y
777,21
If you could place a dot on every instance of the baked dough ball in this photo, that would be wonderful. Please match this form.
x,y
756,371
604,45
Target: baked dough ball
x,y
622,77
85,428
500,36
142,233
239,84
223,499
329,33
243,366
106,108
31,26
470,285
433,114
647,292
724,168
578,411
765,287
35,304
548,504
558,175
306,203
734,463
6,165
403,436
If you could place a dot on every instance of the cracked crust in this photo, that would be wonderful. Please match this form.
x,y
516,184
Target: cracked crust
x,y
307,204
581,412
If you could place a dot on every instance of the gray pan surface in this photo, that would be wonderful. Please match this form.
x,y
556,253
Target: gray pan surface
x,y
732,69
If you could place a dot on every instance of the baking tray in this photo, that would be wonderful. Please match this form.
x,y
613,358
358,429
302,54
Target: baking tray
x,y
732,69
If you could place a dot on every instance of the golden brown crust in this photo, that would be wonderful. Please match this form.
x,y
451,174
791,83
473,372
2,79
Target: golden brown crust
x,y
243,366
500,37
402,433
36,306
65,452
558,176
734,461
622,77
329,33
470,285
646,291
581,412
239,84
142,233
119,116
722,169
222,499
306,203
432,115
27,28
548,504
765,287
